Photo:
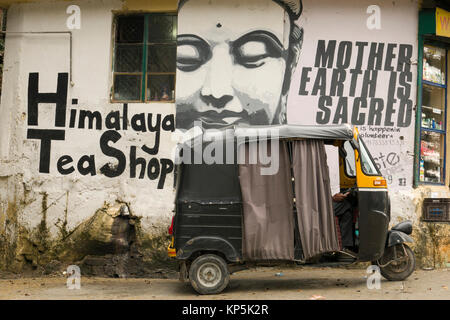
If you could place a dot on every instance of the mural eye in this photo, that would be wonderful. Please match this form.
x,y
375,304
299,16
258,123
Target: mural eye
x,y
252,53
188,58
192,53
252,49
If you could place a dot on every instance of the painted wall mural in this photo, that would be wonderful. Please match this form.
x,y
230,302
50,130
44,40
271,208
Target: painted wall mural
x,y
303,62
255,62
235,63
369,107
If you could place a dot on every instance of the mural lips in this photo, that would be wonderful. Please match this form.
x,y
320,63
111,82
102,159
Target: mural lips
x,y
213,119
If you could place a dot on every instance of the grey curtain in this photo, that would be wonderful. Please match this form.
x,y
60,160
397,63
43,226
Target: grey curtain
x,y
268,230
313,198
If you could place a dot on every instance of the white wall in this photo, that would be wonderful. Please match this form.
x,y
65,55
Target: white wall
x,y
48,55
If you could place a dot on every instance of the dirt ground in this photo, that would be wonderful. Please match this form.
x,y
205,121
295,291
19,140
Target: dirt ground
x,y
254,284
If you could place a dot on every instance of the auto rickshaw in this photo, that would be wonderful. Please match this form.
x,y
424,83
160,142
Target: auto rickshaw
x,y
224,222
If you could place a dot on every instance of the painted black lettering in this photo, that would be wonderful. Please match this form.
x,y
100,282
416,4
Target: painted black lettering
x,y
153,169
404,80
344,55
46,136
390,55
65,160
325,56
355,73
125,117
369,84
359,117
361,46
375,111
90,169
320,83
168,123
404,113
304,81
59,98
405,52
392,85
375,56
341,115
112,120
323,117
389,113
155,149
157,126
90,116
112,136
138,122
136,161
166,168
337,82
73,117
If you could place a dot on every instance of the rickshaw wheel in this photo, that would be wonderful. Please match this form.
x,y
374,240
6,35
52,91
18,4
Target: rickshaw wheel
x,y
397,270
209,274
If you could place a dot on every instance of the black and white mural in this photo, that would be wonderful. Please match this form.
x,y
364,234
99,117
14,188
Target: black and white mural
x,y
262,62
235,61
252,62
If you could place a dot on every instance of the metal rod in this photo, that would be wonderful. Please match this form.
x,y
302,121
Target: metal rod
x,y
50,32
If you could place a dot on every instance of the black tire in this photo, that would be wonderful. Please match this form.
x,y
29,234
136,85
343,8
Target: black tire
x,y
209,274
397,271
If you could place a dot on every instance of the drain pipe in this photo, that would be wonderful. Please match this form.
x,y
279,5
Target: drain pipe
x,y
49,32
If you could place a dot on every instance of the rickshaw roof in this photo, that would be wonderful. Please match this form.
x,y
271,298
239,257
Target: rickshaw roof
x,y
198,180
285,131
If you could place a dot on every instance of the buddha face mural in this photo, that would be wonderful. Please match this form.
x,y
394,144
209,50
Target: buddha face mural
x,y
234,66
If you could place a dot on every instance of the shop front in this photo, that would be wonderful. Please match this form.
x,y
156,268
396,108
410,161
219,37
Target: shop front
x,y
431,156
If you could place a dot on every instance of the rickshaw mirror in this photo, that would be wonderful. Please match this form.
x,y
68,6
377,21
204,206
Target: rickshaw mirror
x,y
342,152
355,145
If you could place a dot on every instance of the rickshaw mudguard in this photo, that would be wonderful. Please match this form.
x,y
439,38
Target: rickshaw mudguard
x,y
374,219
397,237
208,244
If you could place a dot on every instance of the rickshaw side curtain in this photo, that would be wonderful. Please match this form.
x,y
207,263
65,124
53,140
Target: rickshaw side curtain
x,y
268,230
313,198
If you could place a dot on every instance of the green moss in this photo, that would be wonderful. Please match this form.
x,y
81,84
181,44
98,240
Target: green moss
x,y
8,236
431,243
154,247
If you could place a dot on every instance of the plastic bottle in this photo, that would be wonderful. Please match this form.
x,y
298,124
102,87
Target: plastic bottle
x,y
422,170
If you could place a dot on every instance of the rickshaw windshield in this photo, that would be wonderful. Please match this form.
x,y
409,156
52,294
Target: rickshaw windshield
x,y
367,164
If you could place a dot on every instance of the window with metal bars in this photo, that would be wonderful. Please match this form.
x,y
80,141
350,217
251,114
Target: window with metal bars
x,y
144,60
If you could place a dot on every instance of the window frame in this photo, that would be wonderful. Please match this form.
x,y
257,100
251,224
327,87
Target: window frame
x,y
368,156
421,129
144,73
346,160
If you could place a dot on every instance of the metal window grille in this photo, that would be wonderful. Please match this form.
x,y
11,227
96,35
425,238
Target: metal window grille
x,y
144,58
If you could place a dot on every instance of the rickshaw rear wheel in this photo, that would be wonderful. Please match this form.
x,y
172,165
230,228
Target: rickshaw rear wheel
x,y
209,274
402,268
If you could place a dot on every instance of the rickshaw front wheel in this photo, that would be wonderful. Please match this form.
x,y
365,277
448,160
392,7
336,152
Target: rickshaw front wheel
x,y
209,274
397,263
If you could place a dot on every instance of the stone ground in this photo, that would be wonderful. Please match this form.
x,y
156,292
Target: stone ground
x,y
305,283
